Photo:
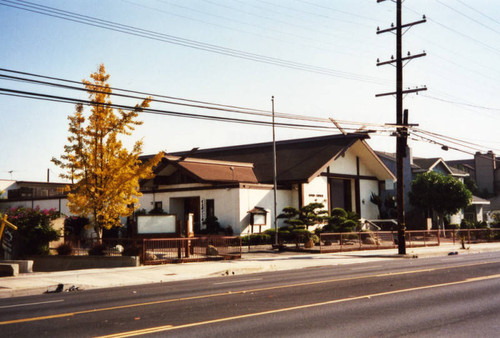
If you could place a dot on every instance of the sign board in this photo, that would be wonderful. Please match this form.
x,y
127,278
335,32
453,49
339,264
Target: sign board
x,y
156,224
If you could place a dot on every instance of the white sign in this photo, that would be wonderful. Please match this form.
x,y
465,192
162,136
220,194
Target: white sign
x,y
156,224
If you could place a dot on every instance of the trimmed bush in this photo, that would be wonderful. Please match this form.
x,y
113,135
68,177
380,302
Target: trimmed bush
x,y
65,249
98,250
256,239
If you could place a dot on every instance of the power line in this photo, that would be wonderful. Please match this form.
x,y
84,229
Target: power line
x,y
468,17
337,10
56,98
460,103
475,10
139,32
223,26
449,139
200,104
387,130
490,47
466,36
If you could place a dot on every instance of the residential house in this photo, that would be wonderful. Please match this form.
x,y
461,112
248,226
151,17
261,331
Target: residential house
x,y
29,194
484,169
416,165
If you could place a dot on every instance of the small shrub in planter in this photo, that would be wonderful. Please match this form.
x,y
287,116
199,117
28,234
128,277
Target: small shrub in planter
x,y
65,249
98,250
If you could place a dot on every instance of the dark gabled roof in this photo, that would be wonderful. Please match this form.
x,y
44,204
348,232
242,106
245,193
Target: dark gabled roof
x,y
425,163
298,160
458,172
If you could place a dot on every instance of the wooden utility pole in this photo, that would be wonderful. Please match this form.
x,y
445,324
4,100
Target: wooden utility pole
x,y
401,121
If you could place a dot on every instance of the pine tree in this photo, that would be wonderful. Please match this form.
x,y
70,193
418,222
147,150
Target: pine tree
x,y
106,173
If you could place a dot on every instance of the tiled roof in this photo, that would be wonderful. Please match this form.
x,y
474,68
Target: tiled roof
x,y
219,171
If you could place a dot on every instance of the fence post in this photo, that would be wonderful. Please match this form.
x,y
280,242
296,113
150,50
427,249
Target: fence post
x,y
439,237
144,250
341,242
468,236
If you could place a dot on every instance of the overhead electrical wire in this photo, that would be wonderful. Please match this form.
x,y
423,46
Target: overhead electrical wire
x,y
430,19
155,9
457,141
63,99
460,103
139,32
475,10
200,104
468,17
375,128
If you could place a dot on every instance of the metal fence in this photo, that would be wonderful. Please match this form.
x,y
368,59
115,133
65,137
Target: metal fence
x,y
165,250
471,236
169,250
350,241
112,246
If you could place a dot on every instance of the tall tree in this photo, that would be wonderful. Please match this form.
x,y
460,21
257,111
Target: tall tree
x,y
106,173
432,191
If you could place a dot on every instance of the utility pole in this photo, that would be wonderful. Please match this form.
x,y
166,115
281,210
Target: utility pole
x,y
401,121
275,181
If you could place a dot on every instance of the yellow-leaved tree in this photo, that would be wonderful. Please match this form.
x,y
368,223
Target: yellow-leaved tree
x,y
106,174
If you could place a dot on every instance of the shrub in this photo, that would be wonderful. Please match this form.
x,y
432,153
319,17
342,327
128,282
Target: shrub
x,y
34,229
98,249
256,239
65,249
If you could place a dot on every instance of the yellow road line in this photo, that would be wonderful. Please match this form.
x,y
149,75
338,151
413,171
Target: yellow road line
x,y
299,307
141,332
70,314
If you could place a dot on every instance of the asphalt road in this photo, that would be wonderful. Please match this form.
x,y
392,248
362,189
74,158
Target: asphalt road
x,y
455,296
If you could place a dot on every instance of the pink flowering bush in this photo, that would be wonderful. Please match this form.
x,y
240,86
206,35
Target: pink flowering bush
x,y
34,231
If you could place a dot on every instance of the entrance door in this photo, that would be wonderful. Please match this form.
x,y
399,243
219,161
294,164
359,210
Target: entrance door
x,y
341,192
182,207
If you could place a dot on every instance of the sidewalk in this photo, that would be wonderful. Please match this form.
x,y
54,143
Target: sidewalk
x,y
252,262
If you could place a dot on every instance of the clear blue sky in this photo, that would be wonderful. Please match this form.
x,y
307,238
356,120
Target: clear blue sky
x,y
461,70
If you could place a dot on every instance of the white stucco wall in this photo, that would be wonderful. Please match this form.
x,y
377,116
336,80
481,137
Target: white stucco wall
x,y
264,198
345,165
316,191
368,209
225,203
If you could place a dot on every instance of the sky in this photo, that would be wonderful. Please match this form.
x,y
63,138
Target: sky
x,y
329,49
